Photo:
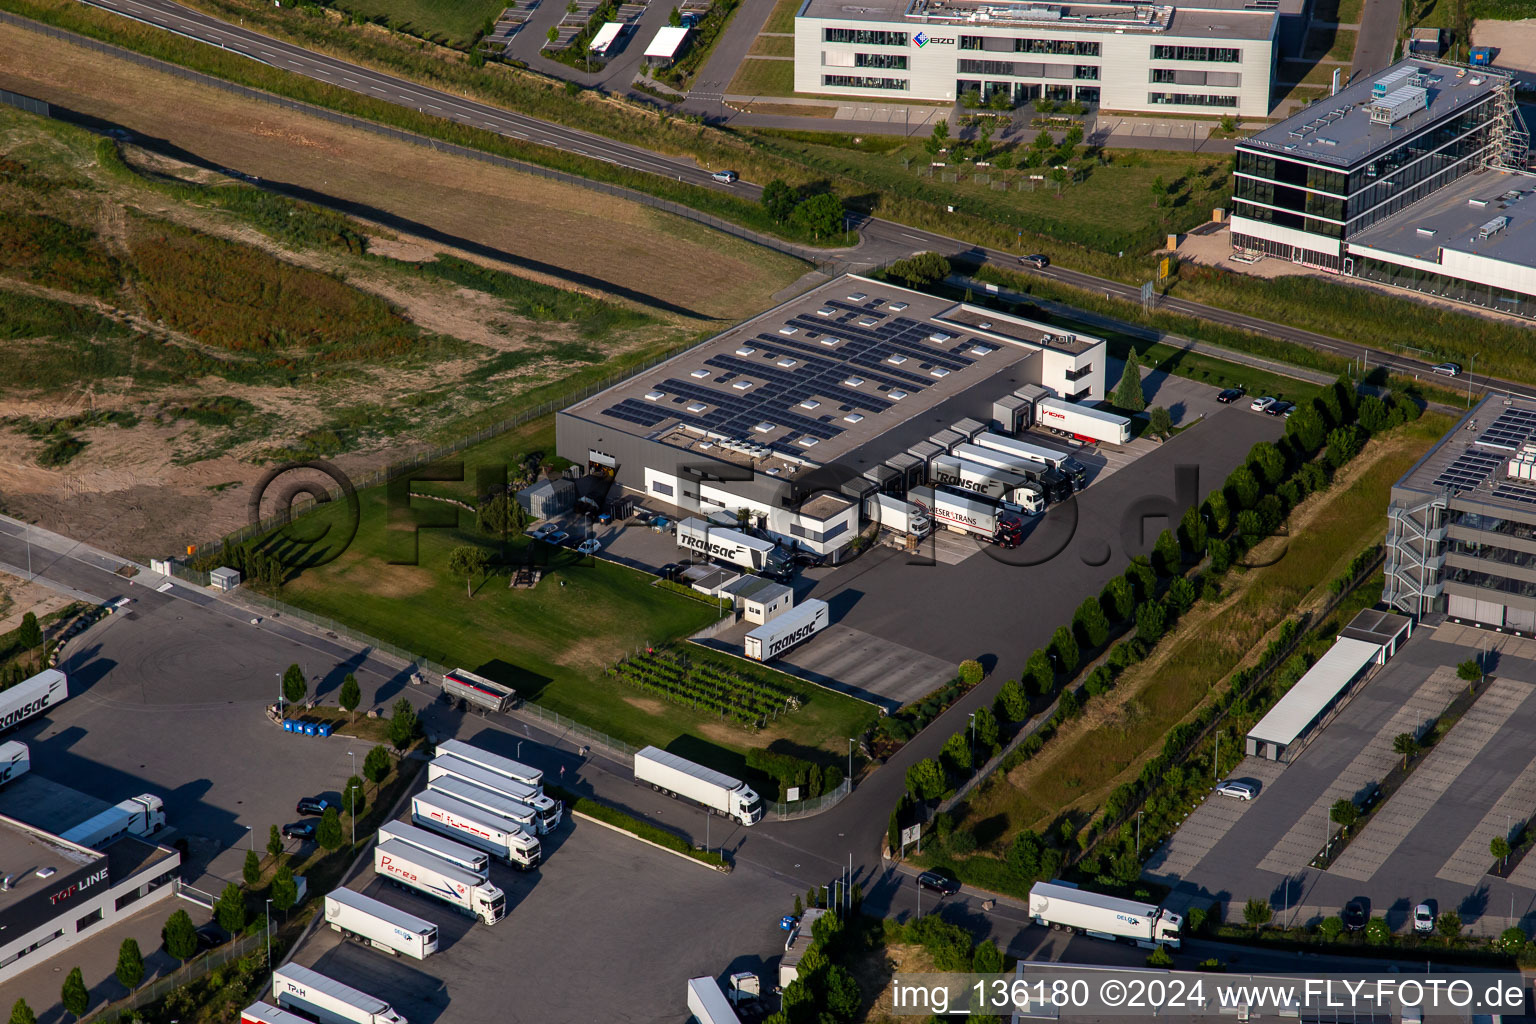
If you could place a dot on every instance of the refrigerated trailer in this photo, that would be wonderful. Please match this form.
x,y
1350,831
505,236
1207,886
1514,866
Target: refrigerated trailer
x,y
708,1004
465,857
471,824
897,515
487,799
380,925
266,1013
15,761
327,999
137,816
525,783
1081,421
733,546
32,696
1104,917
483,693
1003,484
969,515
782,632
545,809
432,876
1020,448
676,776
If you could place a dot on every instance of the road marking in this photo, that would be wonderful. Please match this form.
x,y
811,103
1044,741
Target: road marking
x,y
915,238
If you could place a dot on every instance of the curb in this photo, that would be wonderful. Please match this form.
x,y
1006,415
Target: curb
x,y
723,869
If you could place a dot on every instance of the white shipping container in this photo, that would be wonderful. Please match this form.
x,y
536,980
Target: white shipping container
x,y
15,760
670,773
483,758
465,857
475,826
1104,916
380,925
897,515
328,999
708,1004
1081,421
778,635
137,816
485,798
32,697
266,1013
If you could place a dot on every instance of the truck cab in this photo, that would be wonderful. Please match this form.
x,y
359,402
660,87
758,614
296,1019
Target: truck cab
x,y
1169,925
1028,500
747,806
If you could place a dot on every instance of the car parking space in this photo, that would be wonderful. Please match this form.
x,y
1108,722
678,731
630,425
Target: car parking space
x,y
1470,861
1209,823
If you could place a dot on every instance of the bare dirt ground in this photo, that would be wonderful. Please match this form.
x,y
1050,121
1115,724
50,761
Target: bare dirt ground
x,y
1513,41
17,597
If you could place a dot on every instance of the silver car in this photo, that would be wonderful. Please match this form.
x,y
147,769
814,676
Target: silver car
x,y
1239,790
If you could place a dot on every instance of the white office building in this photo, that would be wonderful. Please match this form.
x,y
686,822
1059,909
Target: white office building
x,y
1212,58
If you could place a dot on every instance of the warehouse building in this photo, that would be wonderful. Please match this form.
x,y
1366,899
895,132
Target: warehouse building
x,y
1413,177
797,415
1461,524
1212,57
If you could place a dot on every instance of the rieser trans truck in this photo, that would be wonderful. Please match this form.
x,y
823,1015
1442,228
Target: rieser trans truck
x,y
964,514
1103,917
783,631
475,826
32,697
735,547
380,925
327,999
1074,470
432,876
477,861
670,774
521,782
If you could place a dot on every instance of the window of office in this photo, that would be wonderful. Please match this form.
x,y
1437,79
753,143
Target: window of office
x,y
863,36
864,82
94,917
1222,54
1182,99
1088,72
984,67
1062,47
888,61
1087,94
657,487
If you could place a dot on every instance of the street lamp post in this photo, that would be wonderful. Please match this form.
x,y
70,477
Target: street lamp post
x,y
1470,374
252,832
1138,835
269,934
850,762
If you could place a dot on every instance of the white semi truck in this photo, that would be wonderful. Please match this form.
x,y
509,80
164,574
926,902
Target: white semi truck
x,y
487,799
1007,485
1103,917
519,780
733,546
681,778
897,515
32,696
783,631
266,1013
465,857
1054,484
483,693
476,827
15,761
1081,421
1064,461
380,925
708,1004
327,999
137,816
970,515
432,876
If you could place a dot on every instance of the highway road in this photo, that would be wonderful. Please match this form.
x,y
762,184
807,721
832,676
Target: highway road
x,y
882,240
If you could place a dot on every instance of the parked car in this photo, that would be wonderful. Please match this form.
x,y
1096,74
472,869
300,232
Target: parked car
x,y
1355,915
1280,409
725,177
312,805
1423,919
590,546
210,935
1260,404
557,538
935,882
1239,790
540,532
1447,369
299,830
671,571
1037,260
1229,396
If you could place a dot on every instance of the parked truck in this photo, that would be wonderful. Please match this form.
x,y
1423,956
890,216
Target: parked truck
x,y
266,1013
487,799
783,631
483,693
1104,917
32,696
1081,421
465,891
1005,484
380,925
1052,483
735,547
468,858
476,827
897,515
970,515
138,816
708,1004
524,783
1015,446
328,1000
675,776
15,761
546,812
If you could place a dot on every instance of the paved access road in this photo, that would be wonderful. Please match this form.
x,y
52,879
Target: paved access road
x,y
882,240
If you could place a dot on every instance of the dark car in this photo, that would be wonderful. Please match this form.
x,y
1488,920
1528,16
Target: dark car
x,y
1279,408
312,805
1037,260
671,571
1229,396
299,830
1354,915
935,882
210,935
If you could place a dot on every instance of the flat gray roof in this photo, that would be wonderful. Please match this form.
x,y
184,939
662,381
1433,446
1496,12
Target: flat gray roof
x,y
48,805
1338,131
1376,627
1294,713
1454,218
24,852
1470,460
819,376
1226,18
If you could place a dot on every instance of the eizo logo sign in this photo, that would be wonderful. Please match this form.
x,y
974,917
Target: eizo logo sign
x,y
922,39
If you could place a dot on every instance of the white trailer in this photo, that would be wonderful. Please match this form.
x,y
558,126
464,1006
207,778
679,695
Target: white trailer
x,y
779,634
708,1004
676,776
546,810
483,693
32,696
1016,446
475,826
1103,917
969,515
432,876
138,816
380,925
487,799
528,780
465,857
732,546
266,1013
1003,484
15,760
1052,482
1081,421
897,515
327,999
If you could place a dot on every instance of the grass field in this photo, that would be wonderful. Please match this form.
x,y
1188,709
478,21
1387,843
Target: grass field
x,y
764,78
773,46
450,22
783,17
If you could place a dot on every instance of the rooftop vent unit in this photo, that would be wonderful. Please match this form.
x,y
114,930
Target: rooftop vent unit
x,y
1389,82
1493,227
1479,203
7,883
1399,104
1426,232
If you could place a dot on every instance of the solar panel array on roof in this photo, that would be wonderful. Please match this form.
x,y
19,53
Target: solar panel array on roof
x,y
1513,428
1470,469
1514,492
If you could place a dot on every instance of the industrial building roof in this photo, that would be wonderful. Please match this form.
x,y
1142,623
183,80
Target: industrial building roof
x,y
1380,628
1488,213
1471,459
48,805
1215,18
809,381
1294,713
25,851
756,588
1339,130
668,39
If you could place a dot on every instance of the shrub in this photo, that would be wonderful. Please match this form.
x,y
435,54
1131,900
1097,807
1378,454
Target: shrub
x,y
925,779
1013,702
971,672
1099,681
1151,621
962,842
1064,647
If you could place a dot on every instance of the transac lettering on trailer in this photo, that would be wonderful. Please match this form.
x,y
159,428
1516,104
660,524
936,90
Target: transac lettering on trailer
x,y
23,712
790,639
710,547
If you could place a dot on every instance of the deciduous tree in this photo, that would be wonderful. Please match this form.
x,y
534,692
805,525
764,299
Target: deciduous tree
x,y
74,995
130,964
179,936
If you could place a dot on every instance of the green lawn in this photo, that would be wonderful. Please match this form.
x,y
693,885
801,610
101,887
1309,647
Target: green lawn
x,y
450,22
553,642
783,17
772,46
764,78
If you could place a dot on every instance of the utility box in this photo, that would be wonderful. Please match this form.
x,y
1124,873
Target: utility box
x,y
548,498
224,578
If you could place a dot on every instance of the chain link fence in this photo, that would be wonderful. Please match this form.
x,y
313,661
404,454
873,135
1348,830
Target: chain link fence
x,y
110,1013
815,805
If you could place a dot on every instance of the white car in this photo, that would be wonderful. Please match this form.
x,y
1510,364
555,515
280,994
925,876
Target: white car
x,y
1446,370
589,546
1239,790
539,533
1260,404
1423,919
